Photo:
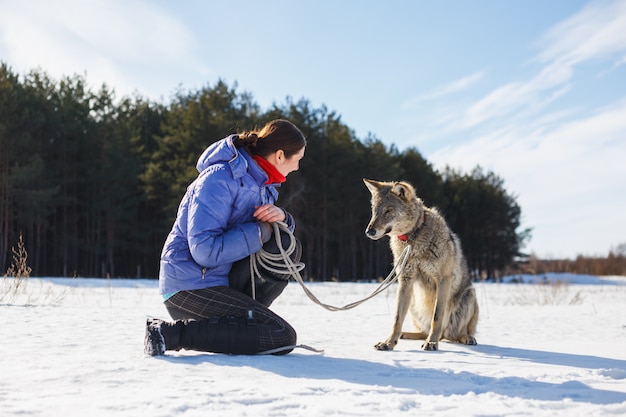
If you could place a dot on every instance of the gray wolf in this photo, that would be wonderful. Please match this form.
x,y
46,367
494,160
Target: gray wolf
x,y
434,285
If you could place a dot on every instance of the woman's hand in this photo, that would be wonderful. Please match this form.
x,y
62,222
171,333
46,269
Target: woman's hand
x,y
269,213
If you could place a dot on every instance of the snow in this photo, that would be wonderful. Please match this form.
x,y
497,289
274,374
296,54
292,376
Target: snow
x,y
74,347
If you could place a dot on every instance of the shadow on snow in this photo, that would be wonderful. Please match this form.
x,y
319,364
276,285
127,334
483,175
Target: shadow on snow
x,y
427,381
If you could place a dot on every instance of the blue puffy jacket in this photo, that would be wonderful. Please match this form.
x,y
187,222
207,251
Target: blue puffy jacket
x,y
214,225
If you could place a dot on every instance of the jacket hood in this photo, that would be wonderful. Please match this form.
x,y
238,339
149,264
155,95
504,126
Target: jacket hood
x,y
224,151
221,151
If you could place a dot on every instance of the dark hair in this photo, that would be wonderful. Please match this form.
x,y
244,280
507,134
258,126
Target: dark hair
x,y
275,135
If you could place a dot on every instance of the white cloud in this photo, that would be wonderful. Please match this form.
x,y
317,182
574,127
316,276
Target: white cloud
x,y
443,119
112,41
564,172
565,166
596,32
534,94
455,86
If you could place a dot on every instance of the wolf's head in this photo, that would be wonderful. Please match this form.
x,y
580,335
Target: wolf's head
x,y
395,208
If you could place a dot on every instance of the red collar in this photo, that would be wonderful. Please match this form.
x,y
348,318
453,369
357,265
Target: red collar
x,y
405,236
273,176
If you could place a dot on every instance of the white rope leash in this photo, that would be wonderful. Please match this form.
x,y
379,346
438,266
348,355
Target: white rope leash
x,y
282,264
290,347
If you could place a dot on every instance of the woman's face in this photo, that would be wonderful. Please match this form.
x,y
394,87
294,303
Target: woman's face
x,y
288,165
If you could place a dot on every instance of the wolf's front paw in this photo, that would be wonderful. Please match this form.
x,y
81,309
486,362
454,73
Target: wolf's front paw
x,y
430,346
471,341
384,346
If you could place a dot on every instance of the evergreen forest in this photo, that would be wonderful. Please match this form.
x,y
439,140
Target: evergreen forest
x,y
92,182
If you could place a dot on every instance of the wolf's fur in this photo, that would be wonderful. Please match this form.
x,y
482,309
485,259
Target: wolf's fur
x,y
435,284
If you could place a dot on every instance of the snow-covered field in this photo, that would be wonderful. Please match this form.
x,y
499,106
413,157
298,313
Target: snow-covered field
x,y
75,348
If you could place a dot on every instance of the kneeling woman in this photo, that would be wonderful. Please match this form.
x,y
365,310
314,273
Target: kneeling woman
x,y
225,216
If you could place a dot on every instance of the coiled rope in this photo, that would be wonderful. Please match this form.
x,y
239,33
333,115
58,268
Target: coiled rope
x,y
282,264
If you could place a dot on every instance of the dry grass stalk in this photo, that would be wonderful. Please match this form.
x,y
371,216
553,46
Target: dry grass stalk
x,y
18,272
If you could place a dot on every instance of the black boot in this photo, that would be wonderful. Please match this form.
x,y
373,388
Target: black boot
x,y
153,343
228,334
161,336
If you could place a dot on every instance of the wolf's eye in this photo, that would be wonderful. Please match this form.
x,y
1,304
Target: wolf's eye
x,y
388,210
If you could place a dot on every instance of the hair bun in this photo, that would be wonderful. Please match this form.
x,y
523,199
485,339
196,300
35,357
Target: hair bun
x,y
254,139
248,140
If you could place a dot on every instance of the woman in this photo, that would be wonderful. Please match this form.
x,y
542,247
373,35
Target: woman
x,y
225,216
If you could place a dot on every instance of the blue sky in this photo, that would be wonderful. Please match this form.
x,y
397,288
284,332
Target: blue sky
x,y
533,90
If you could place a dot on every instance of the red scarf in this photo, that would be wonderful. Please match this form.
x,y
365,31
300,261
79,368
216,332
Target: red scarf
x,y
272,173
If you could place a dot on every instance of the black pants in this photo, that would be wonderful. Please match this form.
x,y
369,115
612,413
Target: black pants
x,y
268,331
231,313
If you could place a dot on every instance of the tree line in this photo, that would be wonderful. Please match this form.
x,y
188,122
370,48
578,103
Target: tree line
x,y
613,264
93,182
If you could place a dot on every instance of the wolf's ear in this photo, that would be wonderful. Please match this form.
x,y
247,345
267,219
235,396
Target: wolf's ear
x,y
402,190
372,185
